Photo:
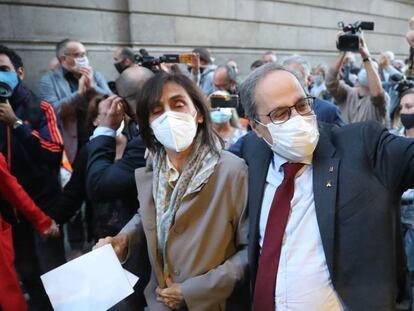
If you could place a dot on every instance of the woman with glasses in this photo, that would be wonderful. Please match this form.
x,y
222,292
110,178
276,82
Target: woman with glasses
x,y
193,198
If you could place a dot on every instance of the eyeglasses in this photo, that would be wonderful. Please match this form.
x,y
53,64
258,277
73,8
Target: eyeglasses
x,y
280,115
77,55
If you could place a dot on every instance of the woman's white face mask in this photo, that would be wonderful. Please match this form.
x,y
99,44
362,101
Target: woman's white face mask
x,y
295,139
175,130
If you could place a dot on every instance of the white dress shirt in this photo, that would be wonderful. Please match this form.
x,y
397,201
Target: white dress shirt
x,y
303,280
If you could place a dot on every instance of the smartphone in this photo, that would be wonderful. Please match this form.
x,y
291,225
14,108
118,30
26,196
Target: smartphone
x,y
226,101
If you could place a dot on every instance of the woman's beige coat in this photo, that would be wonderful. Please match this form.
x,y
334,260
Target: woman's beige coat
x,y
207,243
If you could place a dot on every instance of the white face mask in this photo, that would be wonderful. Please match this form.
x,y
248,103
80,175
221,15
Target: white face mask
x,y
175,130
296,138
81,62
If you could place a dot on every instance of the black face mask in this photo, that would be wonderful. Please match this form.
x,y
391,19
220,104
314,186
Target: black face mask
x,y
407,120
120,67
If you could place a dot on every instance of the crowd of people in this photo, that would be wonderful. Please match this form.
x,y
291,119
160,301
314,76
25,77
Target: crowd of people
x,y
290,190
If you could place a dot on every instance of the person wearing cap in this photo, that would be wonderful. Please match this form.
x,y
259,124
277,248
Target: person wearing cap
x,y
202,70
367,101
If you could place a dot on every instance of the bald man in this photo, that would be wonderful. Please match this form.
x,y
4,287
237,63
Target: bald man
x,y
107,180
130,82
123,58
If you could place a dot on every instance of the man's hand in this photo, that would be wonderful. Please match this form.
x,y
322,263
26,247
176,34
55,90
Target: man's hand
x,y
87,75
53,230
363,49
7,115
113,113
171,296
119,244
166,67
81,85
195,63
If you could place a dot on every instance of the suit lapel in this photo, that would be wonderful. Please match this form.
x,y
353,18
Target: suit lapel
x,y
325,182
258,156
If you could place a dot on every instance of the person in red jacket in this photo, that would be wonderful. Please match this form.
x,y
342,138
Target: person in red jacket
x,y
11,295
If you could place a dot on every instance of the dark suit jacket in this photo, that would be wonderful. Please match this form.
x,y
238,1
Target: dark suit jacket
x,y
359,174
327,112
109,180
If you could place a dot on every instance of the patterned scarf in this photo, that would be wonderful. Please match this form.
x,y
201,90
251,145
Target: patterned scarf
x,y
199,166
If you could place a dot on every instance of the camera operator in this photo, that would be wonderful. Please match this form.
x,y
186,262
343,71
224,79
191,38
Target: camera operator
x,y
367,100
31,142
123,59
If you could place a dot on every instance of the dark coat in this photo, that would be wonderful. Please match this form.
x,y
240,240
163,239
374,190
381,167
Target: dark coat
x,y
359,174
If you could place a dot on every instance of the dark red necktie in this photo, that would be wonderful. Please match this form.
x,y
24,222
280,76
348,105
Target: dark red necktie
x,y
264,292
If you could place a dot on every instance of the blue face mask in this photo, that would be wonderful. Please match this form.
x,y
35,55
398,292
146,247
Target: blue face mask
x,y
317,79
220,116
8,79
363,77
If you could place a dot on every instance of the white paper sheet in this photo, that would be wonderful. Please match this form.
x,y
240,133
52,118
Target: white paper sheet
x,y
93,282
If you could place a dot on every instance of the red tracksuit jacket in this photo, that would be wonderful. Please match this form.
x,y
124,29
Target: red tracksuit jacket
x,y
11,296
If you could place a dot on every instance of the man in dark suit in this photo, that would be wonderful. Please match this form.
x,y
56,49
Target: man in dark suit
x,y
324,238
107,179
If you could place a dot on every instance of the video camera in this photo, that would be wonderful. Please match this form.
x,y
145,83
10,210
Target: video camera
x,y
349,41
145,60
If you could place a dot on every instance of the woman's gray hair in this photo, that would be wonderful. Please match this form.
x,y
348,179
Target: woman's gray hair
x,y
248,87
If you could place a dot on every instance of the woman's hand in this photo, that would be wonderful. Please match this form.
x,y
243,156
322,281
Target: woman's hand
x,y
53,231
119,244
171,296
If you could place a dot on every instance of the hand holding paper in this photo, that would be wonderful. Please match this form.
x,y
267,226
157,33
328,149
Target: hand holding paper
x,y
95,281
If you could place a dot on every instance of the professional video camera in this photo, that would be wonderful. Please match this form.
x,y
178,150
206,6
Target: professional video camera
x,y
145,60
349,41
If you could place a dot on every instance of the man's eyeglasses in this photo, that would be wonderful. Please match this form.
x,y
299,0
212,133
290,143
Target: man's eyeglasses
x,y
77,55
280,115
